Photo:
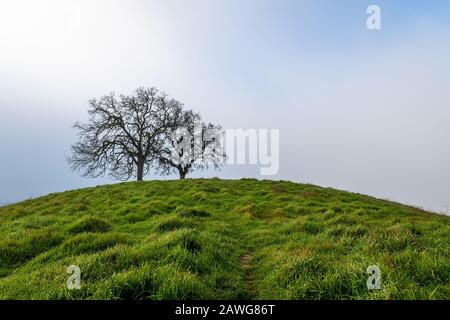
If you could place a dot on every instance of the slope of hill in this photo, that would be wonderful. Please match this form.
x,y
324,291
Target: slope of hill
x,y
229,239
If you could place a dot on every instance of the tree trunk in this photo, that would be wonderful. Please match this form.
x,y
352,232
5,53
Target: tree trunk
x,y
140,170
182,175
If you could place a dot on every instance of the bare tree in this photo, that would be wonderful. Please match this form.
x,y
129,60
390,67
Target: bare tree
x,y
121,134
190,145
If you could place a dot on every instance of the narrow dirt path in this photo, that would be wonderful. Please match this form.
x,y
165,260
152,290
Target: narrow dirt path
x,y
249,277
239,226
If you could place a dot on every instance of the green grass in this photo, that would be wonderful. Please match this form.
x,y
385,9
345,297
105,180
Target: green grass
x,y
221,239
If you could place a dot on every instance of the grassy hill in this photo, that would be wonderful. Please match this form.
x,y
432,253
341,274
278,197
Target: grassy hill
x,y
228,239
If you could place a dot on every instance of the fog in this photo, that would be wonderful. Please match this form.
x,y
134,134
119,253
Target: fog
x,y
359,110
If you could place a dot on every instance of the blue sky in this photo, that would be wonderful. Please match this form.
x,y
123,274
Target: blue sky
x,y
365,111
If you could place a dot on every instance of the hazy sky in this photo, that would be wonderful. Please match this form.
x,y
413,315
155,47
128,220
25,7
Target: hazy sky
x,y
364,111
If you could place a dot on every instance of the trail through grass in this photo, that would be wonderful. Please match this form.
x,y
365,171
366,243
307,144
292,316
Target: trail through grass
x,y
249,277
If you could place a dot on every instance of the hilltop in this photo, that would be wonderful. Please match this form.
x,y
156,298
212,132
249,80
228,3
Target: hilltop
x,y
221,239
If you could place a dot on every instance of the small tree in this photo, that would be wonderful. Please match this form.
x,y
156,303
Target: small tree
x,y
191,145
121,133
